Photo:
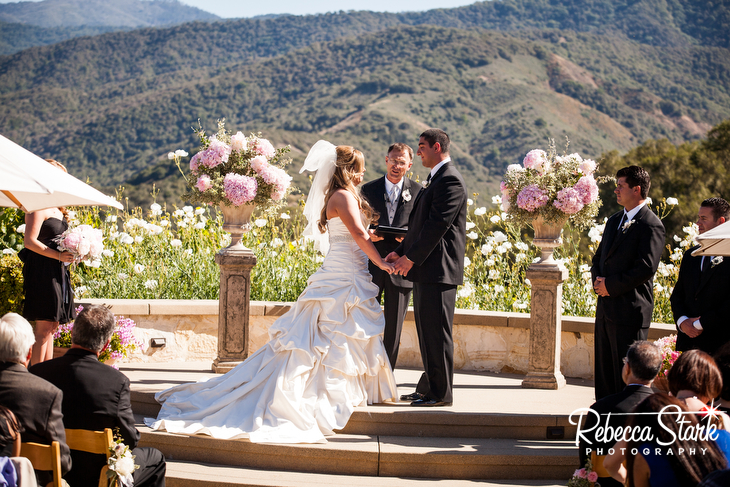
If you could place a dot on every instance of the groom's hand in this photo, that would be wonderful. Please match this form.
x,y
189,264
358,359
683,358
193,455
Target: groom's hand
x,y
402,266
392,257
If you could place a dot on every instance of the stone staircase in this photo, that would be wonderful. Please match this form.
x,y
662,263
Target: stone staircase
x,y
472,441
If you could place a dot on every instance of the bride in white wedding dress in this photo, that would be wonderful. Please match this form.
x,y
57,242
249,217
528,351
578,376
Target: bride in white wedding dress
x,y
326,355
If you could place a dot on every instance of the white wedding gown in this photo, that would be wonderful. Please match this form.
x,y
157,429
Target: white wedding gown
x,y
324,357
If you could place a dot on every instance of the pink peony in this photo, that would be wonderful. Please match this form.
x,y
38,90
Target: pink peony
x,y
264,147
203,183
276,196
239,189
592,477
216,154
580,473
588,189
238,142
531,198
72,240
568,201
536,159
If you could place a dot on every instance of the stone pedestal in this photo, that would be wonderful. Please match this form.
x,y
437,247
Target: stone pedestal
x,y
233,311
546,278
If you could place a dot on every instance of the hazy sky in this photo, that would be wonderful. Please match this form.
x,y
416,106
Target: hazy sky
x,y
250,8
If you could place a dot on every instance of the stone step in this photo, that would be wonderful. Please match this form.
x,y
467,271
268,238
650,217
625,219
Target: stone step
x,y
402,420
387,456
191,474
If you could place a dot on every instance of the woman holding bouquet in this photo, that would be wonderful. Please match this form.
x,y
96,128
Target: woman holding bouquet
x,y
46,278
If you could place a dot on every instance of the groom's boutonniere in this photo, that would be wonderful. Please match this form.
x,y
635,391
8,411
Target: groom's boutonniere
x,y
406,196
627,225
716,261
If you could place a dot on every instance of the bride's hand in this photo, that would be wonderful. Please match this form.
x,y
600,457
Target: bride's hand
x,y
387,267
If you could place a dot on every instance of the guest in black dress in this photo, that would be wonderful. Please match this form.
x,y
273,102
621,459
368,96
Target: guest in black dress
x,y
47,281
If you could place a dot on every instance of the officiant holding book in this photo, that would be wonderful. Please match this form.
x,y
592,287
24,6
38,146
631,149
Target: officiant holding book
x,y
392,196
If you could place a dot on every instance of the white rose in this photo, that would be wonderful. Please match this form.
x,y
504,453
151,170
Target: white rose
x,y
469,202
125,465
470,225
500,237
480,211
672,201
472,235
495,219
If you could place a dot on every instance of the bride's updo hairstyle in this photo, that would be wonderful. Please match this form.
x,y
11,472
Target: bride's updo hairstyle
x,y
350,162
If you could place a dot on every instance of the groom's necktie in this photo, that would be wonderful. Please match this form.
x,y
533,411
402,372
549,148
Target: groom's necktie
x,y
623,219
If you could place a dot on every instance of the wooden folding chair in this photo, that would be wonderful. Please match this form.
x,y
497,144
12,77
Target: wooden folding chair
x,y
92,442
44,457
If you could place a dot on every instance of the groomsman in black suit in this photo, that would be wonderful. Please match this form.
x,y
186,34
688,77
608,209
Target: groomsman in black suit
x,y
623,271
432,256
392,196
699,299
97,396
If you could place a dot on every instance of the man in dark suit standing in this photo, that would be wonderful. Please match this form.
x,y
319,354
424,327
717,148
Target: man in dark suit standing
x,y
641,365
432,256
700,295
35,402
623,271
392,196
96,396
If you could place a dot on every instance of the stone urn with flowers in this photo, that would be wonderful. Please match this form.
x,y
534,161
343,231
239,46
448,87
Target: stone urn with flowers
x,y
239,174
545,192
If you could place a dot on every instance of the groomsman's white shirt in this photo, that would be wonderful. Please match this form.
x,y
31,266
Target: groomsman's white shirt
x,y
436,168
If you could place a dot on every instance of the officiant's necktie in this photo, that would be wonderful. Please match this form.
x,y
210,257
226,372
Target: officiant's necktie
x,y
392,203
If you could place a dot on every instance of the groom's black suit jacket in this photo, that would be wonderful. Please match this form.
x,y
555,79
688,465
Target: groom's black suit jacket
x,y
702,294
628,260
375,193
436,238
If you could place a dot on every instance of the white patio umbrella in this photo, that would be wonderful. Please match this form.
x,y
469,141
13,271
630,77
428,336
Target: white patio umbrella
x,y
30,183
715,241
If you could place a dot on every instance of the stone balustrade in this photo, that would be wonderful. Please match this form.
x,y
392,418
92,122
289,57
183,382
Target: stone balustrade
x,y
483,340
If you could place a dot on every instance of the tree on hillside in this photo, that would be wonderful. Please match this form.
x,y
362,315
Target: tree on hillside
x,y
690,172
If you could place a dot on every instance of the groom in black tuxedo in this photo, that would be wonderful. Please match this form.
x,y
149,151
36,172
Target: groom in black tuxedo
x,y
392,196
623,271
700,295
432,256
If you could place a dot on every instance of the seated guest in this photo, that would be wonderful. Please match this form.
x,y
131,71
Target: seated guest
x,y
672,458
97,396
34,402
695,380
641,365
722,360
9,433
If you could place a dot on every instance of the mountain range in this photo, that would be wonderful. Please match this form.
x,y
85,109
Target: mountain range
x,y
502,77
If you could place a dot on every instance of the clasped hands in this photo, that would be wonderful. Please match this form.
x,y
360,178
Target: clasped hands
x,y
688,327
401,264
599,286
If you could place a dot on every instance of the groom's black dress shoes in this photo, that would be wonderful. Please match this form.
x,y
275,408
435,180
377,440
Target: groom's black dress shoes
x,y
429,403
413,396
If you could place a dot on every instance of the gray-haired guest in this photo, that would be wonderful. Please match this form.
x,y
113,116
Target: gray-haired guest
x,y
35,402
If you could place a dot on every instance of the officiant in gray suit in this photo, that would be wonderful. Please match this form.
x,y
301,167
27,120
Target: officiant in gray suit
x,y
392,196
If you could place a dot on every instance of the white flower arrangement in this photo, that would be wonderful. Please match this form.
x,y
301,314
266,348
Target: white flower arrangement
x,y
627,225
121,465
406,195
716,261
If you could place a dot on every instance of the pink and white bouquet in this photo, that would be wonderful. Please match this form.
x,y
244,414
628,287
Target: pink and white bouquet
x,y
556,188
584,477
668,346
85,243
121,465
234,169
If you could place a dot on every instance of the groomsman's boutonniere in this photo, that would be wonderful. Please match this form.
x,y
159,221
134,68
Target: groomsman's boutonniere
x,y
627,225
406,196
426,183
716,261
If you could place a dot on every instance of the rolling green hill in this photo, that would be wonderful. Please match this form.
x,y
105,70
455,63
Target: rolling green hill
x,y
112,106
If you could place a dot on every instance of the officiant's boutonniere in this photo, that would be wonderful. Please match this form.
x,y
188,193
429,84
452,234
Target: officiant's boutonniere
x,y
406,196
627,225
716,261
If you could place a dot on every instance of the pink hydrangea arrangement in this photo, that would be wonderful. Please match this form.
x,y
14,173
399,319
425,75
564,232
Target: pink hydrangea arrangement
x,y
236,170
551,187
85,243
122,344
